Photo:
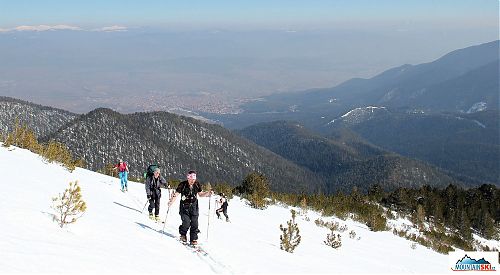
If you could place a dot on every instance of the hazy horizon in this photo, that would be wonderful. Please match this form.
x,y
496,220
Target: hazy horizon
x,y
209,56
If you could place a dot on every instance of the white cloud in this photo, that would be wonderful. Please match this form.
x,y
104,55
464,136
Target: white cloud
x,y
114,28
40,28
46,28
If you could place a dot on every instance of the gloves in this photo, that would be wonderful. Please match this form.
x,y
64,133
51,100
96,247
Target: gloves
x,y
149,197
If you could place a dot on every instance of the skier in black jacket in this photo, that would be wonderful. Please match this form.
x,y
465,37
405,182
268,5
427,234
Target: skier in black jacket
x,y
188,209
153,192
223,207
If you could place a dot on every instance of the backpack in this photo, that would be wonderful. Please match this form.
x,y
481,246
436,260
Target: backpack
x,y
124,166
150,171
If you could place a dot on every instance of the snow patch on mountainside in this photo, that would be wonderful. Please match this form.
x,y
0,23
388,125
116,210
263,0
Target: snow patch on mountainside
x,y
472,120
477,107
362,114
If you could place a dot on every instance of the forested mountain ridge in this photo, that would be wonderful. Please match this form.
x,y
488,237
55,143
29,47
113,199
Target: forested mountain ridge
x,y
178,144
346,160
42,120
465,144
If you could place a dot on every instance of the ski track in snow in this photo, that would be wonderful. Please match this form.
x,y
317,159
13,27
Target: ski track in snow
x,y
215,265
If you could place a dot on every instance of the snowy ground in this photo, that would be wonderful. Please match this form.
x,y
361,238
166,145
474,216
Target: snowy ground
x,y
114,237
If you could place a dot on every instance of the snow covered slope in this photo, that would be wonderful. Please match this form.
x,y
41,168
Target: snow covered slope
x,y
362,114
113,235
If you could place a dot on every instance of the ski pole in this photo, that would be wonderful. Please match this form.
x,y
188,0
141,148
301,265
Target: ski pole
x,y
216,207
209,200
165,223
144,206
168,209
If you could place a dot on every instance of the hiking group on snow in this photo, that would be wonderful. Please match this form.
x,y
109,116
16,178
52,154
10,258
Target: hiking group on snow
x,y
189,190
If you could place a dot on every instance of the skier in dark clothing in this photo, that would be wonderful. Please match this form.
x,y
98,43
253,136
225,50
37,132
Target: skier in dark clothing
x,y
223,207
153,193
188,209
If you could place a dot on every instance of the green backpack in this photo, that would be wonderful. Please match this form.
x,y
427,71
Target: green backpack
x,y
150,171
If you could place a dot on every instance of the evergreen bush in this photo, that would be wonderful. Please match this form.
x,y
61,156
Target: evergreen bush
x,y
224,188
23,137
333,240
290,238
69,205
255,188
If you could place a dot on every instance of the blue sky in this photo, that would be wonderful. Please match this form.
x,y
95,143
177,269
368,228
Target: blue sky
x,y
273,14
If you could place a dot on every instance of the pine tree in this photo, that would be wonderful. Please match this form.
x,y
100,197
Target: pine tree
x,y
56,151
290,238
303,206
109,170
69,205
487,226
256,187
333,240
420,218
224,188
207,186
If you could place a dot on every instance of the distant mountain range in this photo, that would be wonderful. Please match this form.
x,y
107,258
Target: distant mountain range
x,y
457,82
444,112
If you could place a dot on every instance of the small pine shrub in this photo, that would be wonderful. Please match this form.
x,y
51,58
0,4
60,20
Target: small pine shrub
x,y
173,183
303,206
207,187
352,234
290,238
69,205
56,151
413,246
343,228
224,188
334,226
333,240
377,222
23,137
390,215
255,187
80,163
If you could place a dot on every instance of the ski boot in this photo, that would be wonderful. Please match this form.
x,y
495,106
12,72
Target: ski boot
x,y
151,216
183,239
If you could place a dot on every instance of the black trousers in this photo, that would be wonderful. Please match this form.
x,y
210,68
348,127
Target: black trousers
x,y
154,202
223,210
189,216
